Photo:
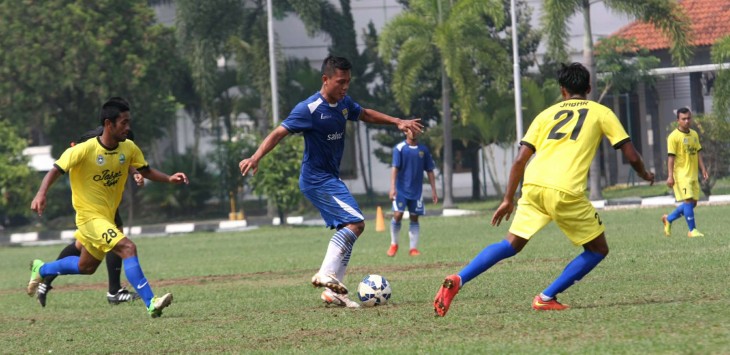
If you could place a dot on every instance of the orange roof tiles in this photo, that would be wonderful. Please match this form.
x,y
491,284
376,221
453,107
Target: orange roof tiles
x,y
710,22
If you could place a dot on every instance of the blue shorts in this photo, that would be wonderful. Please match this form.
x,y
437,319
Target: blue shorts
x,y
415,207
335,203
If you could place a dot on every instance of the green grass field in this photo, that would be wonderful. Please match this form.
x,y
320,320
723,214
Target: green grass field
x,y
249,292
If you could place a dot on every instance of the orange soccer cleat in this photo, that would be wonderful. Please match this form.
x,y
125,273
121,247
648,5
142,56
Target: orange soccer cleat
x,y
552,305
446,294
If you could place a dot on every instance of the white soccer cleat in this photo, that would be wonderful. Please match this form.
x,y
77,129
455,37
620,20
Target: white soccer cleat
x,y
331,298
329,281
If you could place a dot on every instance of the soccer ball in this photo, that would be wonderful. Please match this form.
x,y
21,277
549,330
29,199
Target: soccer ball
x,y
374,290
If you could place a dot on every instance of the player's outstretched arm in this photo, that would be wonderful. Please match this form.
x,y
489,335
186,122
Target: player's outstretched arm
x,y
156,175
269,143
515,176
636,162
39,201
372,116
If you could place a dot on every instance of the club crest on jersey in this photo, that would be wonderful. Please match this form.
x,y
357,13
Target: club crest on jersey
x,y
344,113
420,154
100,160
122,158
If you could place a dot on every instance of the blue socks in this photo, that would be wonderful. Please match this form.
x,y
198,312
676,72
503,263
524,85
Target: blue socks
x,y
136,278
689,215
574,271
491,255
686,209
676,213
66,266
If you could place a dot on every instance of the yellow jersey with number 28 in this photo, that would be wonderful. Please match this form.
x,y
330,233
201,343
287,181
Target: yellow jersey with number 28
x,y
98,175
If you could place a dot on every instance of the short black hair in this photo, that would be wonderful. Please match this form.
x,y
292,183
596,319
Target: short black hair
x,y
575,78
331,63
112,108
683,110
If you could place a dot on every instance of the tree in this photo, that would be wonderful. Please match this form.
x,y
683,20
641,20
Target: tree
x,y
62,59
721,91
666,15
452,35
280,179
714,131
14,174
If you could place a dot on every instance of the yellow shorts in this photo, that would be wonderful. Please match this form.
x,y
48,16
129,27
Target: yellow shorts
x,y
574,215
98,236
685,190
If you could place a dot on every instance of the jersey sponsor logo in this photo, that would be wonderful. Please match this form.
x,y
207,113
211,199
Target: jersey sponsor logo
x,y
324,117
335,136
122,158
108,178
100,160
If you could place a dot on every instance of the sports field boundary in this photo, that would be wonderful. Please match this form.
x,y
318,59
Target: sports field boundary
x,y
251,223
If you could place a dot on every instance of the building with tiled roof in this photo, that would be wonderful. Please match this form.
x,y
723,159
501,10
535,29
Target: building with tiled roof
x,y
649,112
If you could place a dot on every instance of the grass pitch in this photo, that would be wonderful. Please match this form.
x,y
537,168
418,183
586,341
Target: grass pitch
x,y
249,292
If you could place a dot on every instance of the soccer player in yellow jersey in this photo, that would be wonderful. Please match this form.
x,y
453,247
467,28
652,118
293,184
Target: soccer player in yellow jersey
x,y
98,171
683,146
564,139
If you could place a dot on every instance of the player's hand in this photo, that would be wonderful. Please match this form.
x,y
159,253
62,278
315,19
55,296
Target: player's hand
x,y
178,178
670,182
38,204
503,211
414,126
392,194
649,176
435,198
138,179
248,164
705,175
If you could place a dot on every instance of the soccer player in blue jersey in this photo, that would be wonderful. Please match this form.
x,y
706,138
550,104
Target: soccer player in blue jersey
x,y
564,139
410,160
98,170
683,146
322,118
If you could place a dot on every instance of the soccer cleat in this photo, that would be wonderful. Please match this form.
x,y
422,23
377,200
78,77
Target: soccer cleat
x,y
332,298
414,252
35,276
667,226
121,296
552,305
695,233
329,281
446,294
158,304
41,292
392,250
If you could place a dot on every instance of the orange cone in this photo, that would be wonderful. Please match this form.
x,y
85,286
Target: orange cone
x,y
379,221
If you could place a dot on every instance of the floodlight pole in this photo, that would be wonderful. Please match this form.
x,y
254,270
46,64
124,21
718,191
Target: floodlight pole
x,y
516,73
272,65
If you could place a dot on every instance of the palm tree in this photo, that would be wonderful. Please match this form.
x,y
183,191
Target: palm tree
x,y
665,15
454,34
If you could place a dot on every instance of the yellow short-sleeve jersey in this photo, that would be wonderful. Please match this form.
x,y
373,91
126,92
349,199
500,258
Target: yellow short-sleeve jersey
x,y
565,138
98,175
685,148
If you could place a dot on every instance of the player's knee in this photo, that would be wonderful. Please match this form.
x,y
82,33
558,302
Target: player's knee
x,y
126,248
357,228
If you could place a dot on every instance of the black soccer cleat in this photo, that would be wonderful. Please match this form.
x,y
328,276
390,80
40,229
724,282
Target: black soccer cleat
x,y
41,293
121,296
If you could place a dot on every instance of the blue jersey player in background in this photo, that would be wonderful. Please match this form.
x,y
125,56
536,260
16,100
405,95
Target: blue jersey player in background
x,y
410,160
321,118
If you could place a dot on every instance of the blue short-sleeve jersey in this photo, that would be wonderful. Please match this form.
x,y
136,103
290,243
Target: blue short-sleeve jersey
x,y
323,128
411,162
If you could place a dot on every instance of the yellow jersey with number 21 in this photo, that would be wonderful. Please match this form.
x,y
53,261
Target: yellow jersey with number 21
x,y
98,175
565,138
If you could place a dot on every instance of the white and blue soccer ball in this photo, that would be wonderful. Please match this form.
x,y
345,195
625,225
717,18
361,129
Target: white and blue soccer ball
x,y
374,290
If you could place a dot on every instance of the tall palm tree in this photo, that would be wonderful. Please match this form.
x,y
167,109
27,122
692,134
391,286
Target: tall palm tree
x,y
665,15
452,33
